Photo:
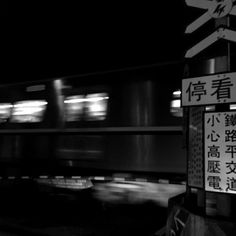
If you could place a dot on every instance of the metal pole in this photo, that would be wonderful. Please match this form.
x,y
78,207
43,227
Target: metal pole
x,y
222,64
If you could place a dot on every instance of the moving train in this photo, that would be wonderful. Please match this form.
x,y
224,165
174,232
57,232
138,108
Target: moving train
x,y
100,152
124,121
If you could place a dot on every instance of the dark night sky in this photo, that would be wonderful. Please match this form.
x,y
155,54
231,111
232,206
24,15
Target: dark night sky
x,y
42,41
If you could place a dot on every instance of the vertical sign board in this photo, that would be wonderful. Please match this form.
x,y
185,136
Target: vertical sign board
x,y
212,89
195,153
199,91
220,151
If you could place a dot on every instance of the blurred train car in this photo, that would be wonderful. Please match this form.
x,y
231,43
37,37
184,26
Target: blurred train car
x,y
89,153
120,121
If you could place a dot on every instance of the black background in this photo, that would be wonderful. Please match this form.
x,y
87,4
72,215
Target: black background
x,y
44,40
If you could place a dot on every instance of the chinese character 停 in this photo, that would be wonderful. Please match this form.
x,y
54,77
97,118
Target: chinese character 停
x,y
198,90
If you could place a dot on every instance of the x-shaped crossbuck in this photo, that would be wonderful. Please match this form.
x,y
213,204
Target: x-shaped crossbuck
x,y
221,33
216,9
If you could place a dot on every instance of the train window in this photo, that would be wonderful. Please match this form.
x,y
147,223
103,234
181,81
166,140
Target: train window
x,y
28,111
5,112
96,106
232,106
210,108
90,107
175,105
74,106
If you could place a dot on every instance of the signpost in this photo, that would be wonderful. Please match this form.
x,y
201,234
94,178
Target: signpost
x,y
211,89
218,169
211,169
220,151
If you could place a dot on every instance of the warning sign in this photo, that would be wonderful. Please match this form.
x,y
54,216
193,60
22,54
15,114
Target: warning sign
x,y
220,151
212,89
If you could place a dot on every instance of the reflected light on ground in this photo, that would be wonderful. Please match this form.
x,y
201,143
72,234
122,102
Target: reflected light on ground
x,y
137,192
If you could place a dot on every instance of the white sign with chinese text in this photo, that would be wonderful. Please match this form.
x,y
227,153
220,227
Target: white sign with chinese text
x,y
212,89
220,151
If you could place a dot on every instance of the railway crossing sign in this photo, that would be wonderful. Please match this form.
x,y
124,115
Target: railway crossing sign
x,y
221,33
220,151
216,9
212,136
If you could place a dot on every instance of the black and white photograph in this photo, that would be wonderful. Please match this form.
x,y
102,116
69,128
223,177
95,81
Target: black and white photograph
x,y
118,118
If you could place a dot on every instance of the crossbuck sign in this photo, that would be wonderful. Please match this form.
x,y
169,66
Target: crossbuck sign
x,y
216,9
